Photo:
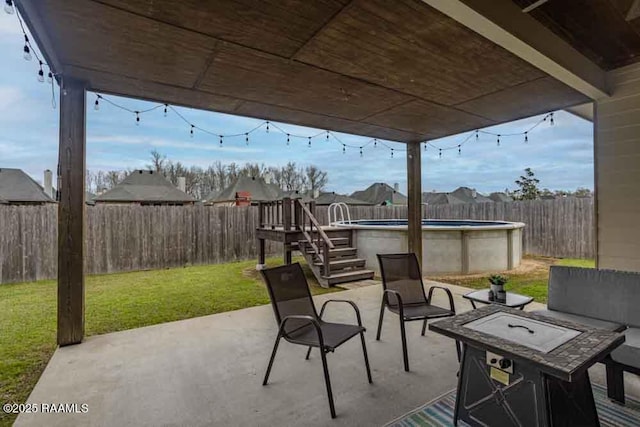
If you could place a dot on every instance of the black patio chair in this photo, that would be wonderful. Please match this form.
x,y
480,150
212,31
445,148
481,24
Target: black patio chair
x,y
403,294
299,322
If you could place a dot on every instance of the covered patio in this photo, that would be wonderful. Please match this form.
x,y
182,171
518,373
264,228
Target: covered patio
x,y
407,72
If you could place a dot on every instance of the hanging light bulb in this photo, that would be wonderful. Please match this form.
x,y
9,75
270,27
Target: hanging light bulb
x,y
191,132
8,7
392,153
220,141
327,135
477,135
344,148
246,138
288,139
375,143
425,146
309,145
41,74
459,150
498,141
267,126
440,152
137,118
96,105
50,77
551,123
526,137
165,109
360,151
27,52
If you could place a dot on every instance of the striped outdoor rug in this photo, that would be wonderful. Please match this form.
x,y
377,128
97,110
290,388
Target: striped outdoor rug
x,y
439,412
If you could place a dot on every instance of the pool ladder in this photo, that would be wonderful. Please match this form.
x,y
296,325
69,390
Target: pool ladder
x,y
339,207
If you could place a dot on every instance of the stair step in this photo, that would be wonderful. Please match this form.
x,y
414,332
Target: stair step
x,y
350,276
340,241
341,263
342,252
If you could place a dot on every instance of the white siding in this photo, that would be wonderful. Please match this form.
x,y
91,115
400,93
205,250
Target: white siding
x,y
617,163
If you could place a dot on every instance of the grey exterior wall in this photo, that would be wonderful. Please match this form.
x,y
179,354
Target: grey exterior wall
x,y
617,174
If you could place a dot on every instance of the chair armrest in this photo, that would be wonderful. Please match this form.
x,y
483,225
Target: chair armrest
x,y
351,303
398,296
313,321
432,288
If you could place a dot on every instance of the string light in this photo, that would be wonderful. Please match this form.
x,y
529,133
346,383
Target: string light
x,y
477,136
344,148
96,105
267,126
246,138
440,152
392,153
361,152
425,146
327,135
498,141
165,109
309,142
375,143
221,141
459,150
27,52
40,73
50,78
526,137
191,131
551,115
137,118
8,7
288,139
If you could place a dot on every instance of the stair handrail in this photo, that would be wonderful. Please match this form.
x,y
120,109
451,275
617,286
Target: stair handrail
x,y
334,207
323,244
314,221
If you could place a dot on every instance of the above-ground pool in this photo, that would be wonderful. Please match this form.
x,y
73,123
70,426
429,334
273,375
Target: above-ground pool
x,y
448,246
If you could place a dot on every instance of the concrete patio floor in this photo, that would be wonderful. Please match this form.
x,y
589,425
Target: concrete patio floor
x,y
208,371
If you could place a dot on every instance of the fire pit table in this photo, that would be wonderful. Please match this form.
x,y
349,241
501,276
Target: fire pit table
x,y
523,369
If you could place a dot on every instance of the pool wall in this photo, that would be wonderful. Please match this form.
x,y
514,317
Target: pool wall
x,y
446,250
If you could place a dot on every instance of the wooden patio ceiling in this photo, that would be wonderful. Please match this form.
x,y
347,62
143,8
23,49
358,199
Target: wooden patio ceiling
x,y
397,70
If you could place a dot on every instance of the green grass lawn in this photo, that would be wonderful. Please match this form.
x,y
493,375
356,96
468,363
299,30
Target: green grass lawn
x,y
531,281
116,302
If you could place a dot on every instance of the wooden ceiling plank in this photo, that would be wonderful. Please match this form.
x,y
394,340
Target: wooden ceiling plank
x,y
415,50
503,22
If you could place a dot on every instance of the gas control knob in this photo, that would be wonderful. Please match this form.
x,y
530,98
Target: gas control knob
x,y
505,364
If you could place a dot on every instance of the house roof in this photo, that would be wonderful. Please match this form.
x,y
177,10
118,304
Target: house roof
x,y
258,188
326,198
459,195
144,186
18,187
379,193
500,197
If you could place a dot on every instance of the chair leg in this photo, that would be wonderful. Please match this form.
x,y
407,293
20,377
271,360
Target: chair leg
x,y
308,353
366,358
403,334
424,326
615,382
380,321
327,382
273,356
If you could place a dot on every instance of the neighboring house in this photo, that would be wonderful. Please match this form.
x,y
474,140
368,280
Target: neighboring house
x,y
18,188
246,190
458,196
381,194
500,197
327,198
208,199
145,187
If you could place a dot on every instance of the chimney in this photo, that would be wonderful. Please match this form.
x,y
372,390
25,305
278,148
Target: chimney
x,y
316,193
396,187
182,184
48,183
267,178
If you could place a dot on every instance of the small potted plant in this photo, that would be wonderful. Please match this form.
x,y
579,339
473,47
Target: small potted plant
x,y
497,286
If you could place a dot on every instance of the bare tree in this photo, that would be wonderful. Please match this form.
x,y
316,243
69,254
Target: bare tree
x,y
157,161
316,179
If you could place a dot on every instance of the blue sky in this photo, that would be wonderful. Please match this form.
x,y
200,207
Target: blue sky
x,y
560,155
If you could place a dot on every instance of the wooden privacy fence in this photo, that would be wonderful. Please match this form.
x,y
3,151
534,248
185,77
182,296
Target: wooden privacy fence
x,y
131,237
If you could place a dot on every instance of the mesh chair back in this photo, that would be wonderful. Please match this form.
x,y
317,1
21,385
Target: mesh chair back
x,y
401,273
290,295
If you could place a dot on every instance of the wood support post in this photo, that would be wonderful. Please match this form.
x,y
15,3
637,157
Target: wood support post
x,y
71,212
262,257
414,194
